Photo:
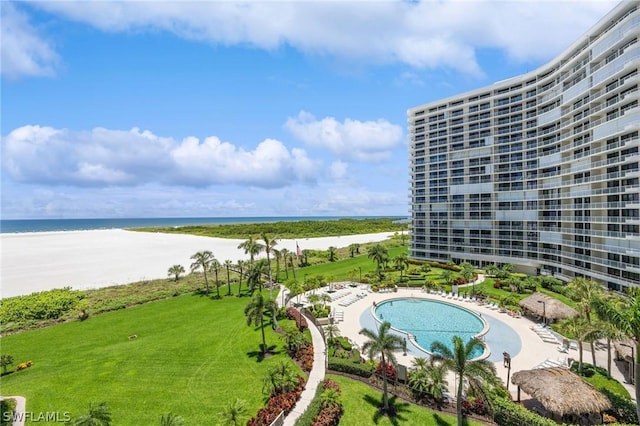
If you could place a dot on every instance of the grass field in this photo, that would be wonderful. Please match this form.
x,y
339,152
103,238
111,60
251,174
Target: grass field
x,y
361,408
193,355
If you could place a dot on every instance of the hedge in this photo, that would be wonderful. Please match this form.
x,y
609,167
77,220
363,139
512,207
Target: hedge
x,y
346,366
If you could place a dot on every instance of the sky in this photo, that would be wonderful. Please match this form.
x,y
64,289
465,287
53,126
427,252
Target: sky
x,y
236,109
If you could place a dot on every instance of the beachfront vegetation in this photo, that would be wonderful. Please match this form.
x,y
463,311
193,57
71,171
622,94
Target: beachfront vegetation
x,y
188,351
255,313
289,230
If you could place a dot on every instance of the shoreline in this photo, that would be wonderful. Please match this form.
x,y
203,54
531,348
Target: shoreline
x,y
90,259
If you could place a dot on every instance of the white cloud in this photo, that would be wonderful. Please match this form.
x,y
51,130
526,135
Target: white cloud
x,y
427,34
338,170
103,157
350,139
24,51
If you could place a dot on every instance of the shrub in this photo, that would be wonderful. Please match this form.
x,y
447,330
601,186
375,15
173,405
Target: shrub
x,y
301,321
388,369
304,356
350,367
44,305
508,413
276,404
24,365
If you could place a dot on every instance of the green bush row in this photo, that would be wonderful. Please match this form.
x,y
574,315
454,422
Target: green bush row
x,y
45,305
508,413
310,414
350,367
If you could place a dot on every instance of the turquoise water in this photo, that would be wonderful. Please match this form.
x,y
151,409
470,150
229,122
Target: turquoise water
x,y
47,225
430,321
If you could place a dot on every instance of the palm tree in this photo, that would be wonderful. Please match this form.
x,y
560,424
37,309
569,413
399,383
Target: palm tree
x,y
579,328
295,289
401,262
254,275
383,344
235,413
285,257
447,276
202,259
241,265
175,272
379,254
475,372
250,247
281,378
332,253
171,420
467,271
255,312
625,316
277,254
331,331
99,415
352,250
292,258
584,291
268,246
491,269
215,268
228,264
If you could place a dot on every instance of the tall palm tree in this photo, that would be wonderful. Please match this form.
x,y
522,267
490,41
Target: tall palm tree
x,y
277,256
292,258
332,253
476,372
401,262
254,275
625,315
383,344
581,330
285,257
99,415
215,268
202,259
584,291
228,264
467,271
250,247
175,272
241,265
447,276
235,413
268,245
255,312
379,254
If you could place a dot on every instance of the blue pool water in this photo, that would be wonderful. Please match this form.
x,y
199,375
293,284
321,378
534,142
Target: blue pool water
x,y
430,321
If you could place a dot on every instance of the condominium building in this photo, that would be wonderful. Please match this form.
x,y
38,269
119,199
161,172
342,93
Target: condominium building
x,y
541,170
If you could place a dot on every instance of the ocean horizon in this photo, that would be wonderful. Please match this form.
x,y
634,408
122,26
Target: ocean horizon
x,y
13,226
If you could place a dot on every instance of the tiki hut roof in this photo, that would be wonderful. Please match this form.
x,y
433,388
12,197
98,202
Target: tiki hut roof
x,y
552,308
561,391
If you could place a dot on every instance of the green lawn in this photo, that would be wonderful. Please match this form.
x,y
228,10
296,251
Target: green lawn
x,y
361,404
193,355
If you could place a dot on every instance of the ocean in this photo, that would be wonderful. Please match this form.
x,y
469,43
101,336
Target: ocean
x,y
11,226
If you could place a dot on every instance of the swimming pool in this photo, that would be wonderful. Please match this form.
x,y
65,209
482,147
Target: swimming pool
x,y
427,321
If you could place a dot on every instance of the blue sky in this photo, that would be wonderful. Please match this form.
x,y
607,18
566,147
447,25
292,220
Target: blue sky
x,y
216,109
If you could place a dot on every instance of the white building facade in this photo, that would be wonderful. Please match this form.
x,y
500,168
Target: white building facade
x,y
541,170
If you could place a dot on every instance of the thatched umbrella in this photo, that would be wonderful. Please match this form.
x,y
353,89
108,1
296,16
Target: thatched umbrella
x,y
560,391
551,308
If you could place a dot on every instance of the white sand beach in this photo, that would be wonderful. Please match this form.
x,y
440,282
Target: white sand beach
x,y
40,261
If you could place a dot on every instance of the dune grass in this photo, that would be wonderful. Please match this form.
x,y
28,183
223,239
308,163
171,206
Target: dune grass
x,y
192,356
361,404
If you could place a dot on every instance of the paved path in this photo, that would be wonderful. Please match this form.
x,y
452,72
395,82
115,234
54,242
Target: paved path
x,y
21,404
316,375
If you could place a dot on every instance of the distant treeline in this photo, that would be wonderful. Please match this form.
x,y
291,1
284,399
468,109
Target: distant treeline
x,y
300,229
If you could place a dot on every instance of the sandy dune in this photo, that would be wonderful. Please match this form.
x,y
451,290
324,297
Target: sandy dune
x,y
91,259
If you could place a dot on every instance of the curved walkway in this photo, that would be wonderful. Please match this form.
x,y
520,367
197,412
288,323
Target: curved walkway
x,y
19,414
316,375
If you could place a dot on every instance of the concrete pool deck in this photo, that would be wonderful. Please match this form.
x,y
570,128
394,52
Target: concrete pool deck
x,y
514,335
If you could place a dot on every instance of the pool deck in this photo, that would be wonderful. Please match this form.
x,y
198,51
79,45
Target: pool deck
x,y
531,351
